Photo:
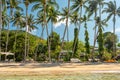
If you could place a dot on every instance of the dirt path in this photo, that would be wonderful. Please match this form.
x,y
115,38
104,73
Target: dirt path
x,y
57,69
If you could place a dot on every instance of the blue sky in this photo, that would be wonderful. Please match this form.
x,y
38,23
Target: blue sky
x,y
59,27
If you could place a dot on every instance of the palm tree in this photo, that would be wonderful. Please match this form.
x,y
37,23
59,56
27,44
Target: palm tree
x,y
12,5
87,45
52,17
2,7
75,19
65,16
0,25
26,2
31,26
112,10
17,22
39,21
5,23
77,8
43,6
92,9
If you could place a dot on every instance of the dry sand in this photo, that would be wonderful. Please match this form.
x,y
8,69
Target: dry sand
x,y
57,69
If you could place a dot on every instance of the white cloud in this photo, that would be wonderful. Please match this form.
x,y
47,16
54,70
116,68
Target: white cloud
x,y
117,30
34,32
58,24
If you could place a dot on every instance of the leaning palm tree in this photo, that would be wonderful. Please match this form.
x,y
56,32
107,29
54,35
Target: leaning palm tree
x,y
75,19
112,10
65,16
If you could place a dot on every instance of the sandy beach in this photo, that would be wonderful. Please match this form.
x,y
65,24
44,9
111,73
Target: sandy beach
x,y
57,69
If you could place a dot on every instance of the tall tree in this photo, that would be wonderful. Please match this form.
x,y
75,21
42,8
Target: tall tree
x,y
31,26
0,25
112,10
12,5
92,9
75,19
75,41
65,16
87,45
77,7
17,22
26,2
42,7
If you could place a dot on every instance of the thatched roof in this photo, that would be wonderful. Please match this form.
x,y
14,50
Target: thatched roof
x,y
7,53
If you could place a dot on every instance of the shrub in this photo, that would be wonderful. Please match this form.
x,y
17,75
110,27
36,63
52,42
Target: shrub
x,y
106,56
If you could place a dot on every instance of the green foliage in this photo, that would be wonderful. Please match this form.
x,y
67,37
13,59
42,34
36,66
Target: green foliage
x,y
54,40
87,46
118,44
75,43
109,40
18,49
100,43
106,56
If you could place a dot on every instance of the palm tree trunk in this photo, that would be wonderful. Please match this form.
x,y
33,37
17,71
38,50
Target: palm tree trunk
x,y
7,38
26,33
42,32
67,20
78,33
114,40
41,36
95,37
0,25
66,28
47,30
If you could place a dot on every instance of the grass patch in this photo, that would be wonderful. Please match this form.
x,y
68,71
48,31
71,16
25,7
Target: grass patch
x,y
65,77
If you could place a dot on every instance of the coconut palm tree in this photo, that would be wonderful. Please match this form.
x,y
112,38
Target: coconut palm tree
x,y
52,16
5,23
92,9
12,5
2,7
87,45
75,19
17,22
43,6
31,26
0,25
77,8
40,21
65,16
112,11
26,2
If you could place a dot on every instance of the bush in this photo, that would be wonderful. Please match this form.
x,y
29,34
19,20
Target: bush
x,y
106,56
